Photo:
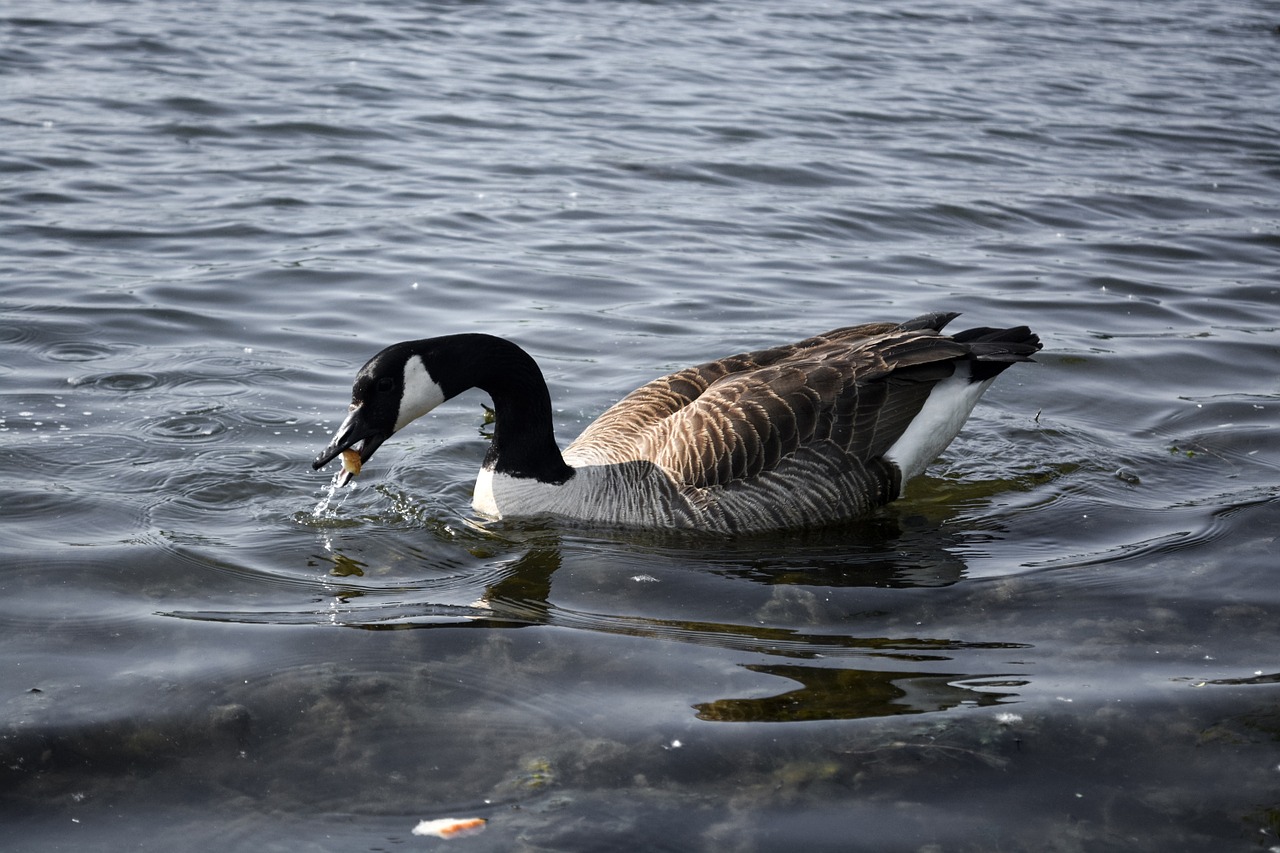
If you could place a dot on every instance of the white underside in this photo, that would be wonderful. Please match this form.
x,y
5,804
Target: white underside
x,y
501,495
600,493
483,499
939,421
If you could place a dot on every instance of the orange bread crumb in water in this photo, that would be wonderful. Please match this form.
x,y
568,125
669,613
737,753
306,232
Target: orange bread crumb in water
x,y
449,827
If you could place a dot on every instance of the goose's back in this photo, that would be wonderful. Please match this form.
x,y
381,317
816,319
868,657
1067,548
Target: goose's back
x,y
792,430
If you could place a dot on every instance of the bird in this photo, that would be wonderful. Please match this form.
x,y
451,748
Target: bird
x,y
807,434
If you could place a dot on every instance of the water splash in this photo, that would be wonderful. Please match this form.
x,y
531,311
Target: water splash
x,y
326,507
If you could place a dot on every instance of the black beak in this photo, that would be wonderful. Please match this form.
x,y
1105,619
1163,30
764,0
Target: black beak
x,y
355,429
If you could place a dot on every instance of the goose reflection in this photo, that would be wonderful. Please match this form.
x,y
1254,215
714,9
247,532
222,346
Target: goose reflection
x,y
815,609
843,675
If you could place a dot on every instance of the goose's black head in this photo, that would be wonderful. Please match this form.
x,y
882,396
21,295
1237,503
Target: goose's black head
x,y
392,389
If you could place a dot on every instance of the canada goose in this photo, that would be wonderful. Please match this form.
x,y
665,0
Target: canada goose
x,y
803,434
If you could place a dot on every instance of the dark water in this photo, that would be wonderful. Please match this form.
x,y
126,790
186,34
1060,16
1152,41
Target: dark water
x,y
1067,638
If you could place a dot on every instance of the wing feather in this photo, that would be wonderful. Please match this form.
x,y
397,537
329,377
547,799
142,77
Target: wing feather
x,y
851,390
610,438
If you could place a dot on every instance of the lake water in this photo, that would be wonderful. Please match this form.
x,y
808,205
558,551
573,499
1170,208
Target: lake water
x,y
1066,638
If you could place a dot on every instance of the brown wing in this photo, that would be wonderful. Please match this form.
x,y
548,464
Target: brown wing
x,y
615,435
852,390
856,403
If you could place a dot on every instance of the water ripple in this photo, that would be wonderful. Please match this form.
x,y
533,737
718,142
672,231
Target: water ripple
x,y
79,351
209,220
186,427
122,382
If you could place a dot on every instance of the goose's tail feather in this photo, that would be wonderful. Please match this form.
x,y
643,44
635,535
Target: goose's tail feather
x,y
993,350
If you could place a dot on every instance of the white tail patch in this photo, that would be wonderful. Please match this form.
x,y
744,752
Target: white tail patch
x,y
939,421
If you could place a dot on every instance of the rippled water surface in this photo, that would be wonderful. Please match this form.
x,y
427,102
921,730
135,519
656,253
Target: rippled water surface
x,y
1067,637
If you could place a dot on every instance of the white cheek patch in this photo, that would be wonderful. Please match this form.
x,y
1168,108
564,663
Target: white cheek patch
x,y
421,393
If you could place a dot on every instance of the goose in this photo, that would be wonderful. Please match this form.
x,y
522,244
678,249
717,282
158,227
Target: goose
x,y
804,434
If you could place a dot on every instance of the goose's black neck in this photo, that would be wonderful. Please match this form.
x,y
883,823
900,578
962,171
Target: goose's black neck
x,y
524,443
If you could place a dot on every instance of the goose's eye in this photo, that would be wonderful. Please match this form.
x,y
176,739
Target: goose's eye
x,y
386,383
